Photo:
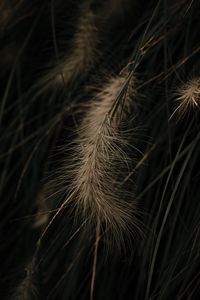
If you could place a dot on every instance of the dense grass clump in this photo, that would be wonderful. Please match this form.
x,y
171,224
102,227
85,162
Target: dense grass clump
x,y
99,149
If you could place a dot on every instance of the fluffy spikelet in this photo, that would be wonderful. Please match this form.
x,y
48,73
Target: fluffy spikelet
x,y
101,159
83,50
188,95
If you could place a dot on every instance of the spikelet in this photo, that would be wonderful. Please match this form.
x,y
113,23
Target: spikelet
x,y
188,96
83,51
100,159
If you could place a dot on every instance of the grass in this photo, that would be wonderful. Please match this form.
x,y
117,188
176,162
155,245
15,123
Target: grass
x,y
99,155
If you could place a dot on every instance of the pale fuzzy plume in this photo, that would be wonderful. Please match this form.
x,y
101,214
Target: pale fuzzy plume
x,y
100,159
85,44
83,51
188,96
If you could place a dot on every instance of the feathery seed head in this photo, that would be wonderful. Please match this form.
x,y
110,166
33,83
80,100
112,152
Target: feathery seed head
x,y
101,159
188,94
